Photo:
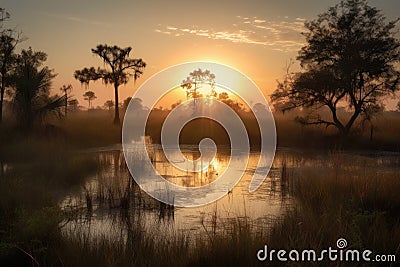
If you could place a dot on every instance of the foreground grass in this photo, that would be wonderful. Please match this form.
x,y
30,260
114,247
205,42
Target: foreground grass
x,y
349,197
35,174
346,196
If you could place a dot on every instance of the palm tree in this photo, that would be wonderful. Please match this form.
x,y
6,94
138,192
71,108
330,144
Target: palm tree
x,y
31,85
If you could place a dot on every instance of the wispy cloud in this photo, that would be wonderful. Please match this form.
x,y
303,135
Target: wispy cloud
x,y
78,19
282,35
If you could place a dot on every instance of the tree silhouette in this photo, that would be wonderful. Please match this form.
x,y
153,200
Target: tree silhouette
x,y
109,104
89,96
224,98
31,89
349,60
9,39
118,68
195,81
126,103
66,89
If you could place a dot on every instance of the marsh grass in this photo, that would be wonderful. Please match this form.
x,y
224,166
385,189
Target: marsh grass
x,y
338,195
350,197
335,195
385,133
32,182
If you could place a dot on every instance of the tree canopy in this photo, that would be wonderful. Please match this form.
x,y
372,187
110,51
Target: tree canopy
x,y
89,96
350,60
118,69
196,80
9,39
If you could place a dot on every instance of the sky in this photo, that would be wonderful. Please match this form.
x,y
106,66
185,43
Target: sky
x,y
257,37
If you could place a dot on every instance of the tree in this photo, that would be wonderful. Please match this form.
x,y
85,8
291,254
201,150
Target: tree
x,y
260,108
89,96
224,98
66,89
349,60
118,68
31,83
9,39
195,81
136,104
126,103
109,104
398,106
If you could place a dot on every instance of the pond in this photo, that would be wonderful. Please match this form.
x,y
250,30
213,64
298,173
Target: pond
x,y
109,203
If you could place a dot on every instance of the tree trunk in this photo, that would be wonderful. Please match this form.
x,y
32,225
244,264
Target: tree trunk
x,y
116,117
66,104
2,98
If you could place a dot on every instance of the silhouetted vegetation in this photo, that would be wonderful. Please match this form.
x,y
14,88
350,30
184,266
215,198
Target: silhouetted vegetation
x,y
89,96
195,81
350,60
67,89
109,104
349,64
30,90
119,70
9,39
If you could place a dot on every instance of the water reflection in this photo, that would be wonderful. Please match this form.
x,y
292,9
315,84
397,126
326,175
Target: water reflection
x,y
111,198
111,204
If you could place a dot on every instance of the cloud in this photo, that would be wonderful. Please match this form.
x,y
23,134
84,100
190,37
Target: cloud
x,y
281,35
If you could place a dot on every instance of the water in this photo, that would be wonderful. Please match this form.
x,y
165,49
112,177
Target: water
x,y
110,202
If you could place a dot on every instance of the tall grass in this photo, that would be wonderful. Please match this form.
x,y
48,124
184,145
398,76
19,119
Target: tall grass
x,y
340,196
34,176
349,197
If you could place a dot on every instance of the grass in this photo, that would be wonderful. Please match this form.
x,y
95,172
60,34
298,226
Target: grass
x,y
385,134
93,128
32,182
344,196
349,198
341,196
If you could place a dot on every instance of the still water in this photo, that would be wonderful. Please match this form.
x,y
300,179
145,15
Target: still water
x,y
110,202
